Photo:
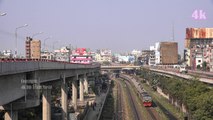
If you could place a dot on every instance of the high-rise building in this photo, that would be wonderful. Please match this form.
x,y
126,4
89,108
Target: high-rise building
x,y
199,45
154,58
145,56
157,53
33,48
168,53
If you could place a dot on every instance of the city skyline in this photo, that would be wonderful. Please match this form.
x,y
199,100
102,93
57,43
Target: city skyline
x,y
117,25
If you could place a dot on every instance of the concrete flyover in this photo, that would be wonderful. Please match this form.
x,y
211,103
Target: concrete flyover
x,y
19,79
119,67
185,76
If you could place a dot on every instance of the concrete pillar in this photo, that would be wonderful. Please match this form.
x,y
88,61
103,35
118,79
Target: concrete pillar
x,y
81,89
46,104
74,94
8,115
64,98
85,84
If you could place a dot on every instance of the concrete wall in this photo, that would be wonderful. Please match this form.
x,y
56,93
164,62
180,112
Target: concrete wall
x,y
10,88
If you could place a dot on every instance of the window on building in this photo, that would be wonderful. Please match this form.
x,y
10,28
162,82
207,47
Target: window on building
x,y
199,61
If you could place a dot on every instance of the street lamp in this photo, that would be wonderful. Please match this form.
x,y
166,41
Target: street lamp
x,y
25,25
3,14
37,34
45,41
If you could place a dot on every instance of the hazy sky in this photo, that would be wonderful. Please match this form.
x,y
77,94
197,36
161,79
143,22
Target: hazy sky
x,y
120,25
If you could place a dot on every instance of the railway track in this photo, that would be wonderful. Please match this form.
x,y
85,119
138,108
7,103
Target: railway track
x,y
132,102
152,113
119,111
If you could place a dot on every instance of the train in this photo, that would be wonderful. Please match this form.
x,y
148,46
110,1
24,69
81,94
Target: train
x,y
146,99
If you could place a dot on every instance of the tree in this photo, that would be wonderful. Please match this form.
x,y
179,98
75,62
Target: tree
x,y
204,65
195,95
198,67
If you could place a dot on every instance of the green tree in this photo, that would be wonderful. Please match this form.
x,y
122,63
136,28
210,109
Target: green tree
x,y
204,65
198,67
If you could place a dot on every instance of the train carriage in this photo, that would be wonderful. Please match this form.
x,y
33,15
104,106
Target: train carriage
x,y
146,99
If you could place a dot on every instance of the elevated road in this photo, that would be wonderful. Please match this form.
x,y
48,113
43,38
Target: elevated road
x,y
119,67
185,76
15,73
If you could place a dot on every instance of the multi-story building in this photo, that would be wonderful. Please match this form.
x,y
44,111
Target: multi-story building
x,y
82,56
136,53
152,56
103,55
33,48
145,55
187,56
47,55
199,43
126,59
211,61
6,54
157,53
62,54
168,53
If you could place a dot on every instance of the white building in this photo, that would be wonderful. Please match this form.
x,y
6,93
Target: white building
x,y
47,55
104,55
126,59
154,58
62,54
6,54
136,53
157,53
